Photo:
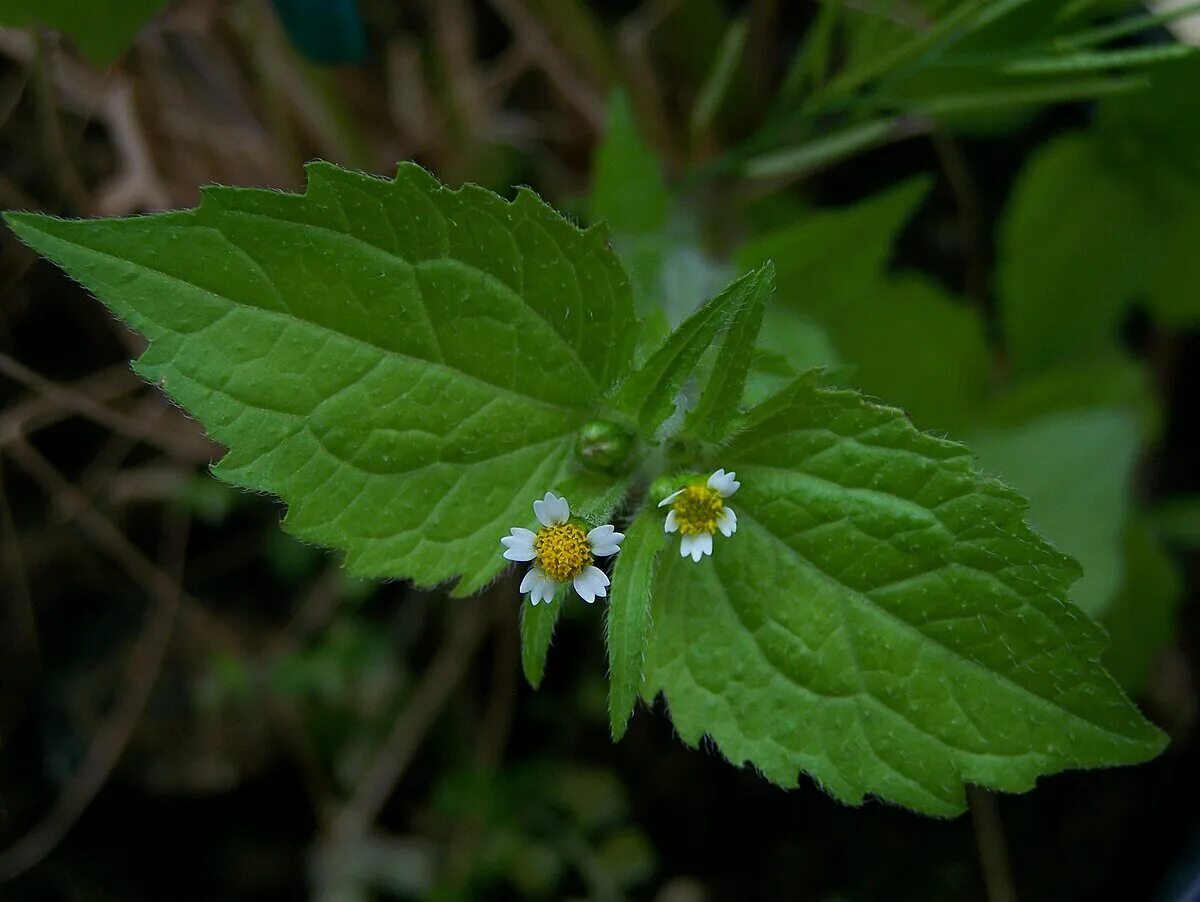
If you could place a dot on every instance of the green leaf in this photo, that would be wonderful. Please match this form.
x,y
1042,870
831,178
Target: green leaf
x,y
537,631
629,614
833,256
1141,620
405,365
629,193
911,342
1076,469
102,29
883,619
722,396
1063,299
1123,202
650,394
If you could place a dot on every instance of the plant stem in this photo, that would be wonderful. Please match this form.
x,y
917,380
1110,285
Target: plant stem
x,y
993,850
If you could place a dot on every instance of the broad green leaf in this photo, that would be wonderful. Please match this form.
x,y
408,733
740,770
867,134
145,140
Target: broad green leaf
x,y
629,614
835,255
537,631
650,395
1063,299
790,344
1107,380
629,194
721,399
1076,469
911,342
1141,620
1123,202
102,29
883,619
628,191
405,365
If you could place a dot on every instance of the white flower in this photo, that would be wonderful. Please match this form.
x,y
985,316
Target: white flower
x,y
698,510
561,552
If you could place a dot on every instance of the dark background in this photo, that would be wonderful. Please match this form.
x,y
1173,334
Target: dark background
x,y
268,679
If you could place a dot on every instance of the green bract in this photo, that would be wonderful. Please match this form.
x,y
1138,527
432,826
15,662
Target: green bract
x,y
408,367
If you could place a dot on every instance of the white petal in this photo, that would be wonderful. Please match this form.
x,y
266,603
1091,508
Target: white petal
x,y
724,484
727,522
544,588
601,533
672,524
532,578
527,534
520,547
605,540
670,498
685,546
591,584
551,510
703,545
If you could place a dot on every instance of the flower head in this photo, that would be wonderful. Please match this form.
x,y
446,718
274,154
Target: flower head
x,y
698,510
561,552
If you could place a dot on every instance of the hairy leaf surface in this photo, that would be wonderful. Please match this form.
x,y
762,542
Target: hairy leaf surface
x,y
883,619
404,364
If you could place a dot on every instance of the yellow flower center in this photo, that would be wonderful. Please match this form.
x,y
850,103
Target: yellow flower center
x,y
562,551
697,509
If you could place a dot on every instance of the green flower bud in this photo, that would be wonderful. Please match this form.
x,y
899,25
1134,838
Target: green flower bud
x,y
603,445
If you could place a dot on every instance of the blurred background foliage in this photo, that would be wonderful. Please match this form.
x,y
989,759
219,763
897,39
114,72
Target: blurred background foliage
x,y
985,212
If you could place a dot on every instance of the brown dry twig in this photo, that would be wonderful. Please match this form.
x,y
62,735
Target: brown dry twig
x,y
353,821
137,184
182,444
144,664
538,43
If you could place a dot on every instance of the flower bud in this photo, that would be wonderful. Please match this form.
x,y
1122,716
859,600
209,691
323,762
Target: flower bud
x,y
604,445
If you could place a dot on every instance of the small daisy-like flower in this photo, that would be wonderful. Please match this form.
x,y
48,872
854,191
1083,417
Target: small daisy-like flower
x,y
561,552
698,510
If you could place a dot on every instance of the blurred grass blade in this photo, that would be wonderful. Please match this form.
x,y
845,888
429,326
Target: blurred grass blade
x,y
716,86
1134,25
991,13
822,151
1057,92
812,61
1097,60
849,82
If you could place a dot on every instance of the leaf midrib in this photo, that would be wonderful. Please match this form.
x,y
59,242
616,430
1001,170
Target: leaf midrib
x,y
375,250
576,412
